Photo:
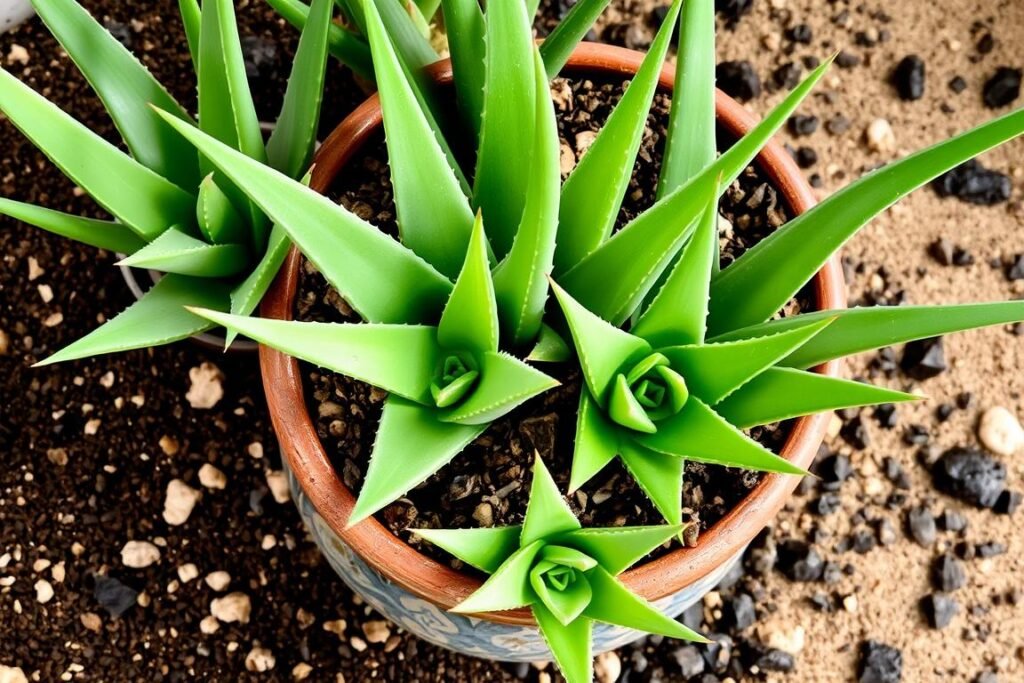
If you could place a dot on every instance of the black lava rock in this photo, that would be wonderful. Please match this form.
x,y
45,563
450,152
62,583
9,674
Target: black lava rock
x,y
826,504
958,84
799,561
923,359
732,10
739,612
1002,88
1016,269
1008,502
847,60
948,574
886,416
801,125
738,79
834,469
879,663
939,609
776,660
973,183
801,33
113,596
951,520
806,157
909,78
855,433
990,549
921,525
971,476
689,660
787,76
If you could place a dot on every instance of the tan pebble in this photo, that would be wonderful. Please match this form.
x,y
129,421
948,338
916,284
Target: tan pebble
x,y
880,137
57,456
58,572
218,581
255,450
54,319
607,667
107,380
18,55
92,426
233,607
5,343
835,425
143,600
713,600
139,554
209,625
301,671
1000,431
12,674
207,386
566,159
278,484
269,542
45,293
179,502
44,591
357,643
91,621
584,140
169,445
788,641
77,549
376,631
484,515
337,626
41,565
212,478
187,572
260,659
850,603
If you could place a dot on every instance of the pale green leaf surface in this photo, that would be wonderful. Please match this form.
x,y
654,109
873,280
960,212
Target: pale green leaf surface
x,y
596,445
505,383
550,347
138,197
571,645
659,476
613,603
565,605
617,549
470,318
464,23
762,280
176,252
485,549
547,513
344,46
192,22
100,234
158,318
507,588
415,50
559,45
250,291
218,219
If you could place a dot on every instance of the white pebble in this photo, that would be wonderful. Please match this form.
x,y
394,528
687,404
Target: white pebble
x,y
607,667
218,581
880,137
788,641
44,591
233,607
1000,431
12,674
180,500
212,478
139,554
187,572
301,671
260,659
209,625
278,483
207,389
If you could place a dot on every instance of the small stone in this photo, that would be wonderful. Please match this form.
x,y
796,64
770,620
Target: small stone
x,y
942,251
91,621
207,386
301,671
218,581
951,520
738,79
12,674
209,625
169,445
957,84
690,661
113,596
336,626
921,524
583,142
880,137
970,475
885,531
777,661
973,183
212,478
879,663
277,482
1000,431
1008,503
799,561
939,609
179,502
484,514
17,55
988,676
607,667
139,554
788,641
233,607
837,125
376,631
801,125
1003,88
44,591
924,359
909,78
834,469
259,660
948,574
187,572
739,612
732,10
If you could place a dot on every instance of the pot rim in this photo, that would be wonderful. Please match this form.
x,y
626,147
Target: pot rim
x,y
438,583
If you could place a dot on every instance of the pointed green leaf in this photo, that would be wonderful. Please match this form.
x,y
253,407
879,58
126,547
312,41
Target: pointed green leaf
x,y
412,444
613,603
655,236
397,358
864,329
547,513
470,318
505,383
617,549
508,588
176,252
783,393
570,644
464,23
427,8
593,193
291,145
366,266
624,408
690,144
566,605
249,293
485,549
158,318
714,371
218,220
679,312
603,349
100,234
192,22
126,89
506,138
597,442
344,46
759,283
660,476
699,433
138,197
550,347
434,215
558,46
415,50
521,280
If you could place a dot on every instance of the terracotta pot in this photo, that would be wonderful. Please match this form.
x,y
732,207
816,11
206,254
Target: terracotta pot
x,y
428,585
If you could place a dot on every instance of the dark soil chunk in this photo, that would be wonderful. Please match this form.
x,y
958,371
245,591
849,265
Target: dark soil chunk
x,y
489,482
1003,88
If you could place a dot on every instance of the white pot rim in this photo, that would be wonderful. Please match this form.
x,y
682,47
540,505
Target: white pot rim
x,y
13,13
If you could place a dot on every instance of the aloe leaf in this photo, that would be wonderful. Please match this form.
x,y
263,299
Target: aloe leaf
x,y
699,433
192,22
570,31
434,216
100,234
464,22
653,238
138,197
506,138
593,193
856,330
531,7
566,604
713,371
125,87
291,145
521,279
660,476
784,393
414,48
507,588
690,143
176,252
428,8
158,318
505,383
218,219
597,442
613,603
679,312
570,644
394,467
761,281
366,266
617,549
397,358
344,45
250,291
550,347
485,549
603,349
547,513
470,318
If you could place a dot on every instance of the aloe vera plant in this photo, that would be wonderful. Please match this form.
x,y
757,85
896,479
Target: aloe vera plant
x,y
174,213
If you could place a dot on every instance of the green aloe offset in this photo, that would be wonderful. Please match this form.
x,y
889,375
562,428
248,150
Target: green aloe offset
x,y
174,213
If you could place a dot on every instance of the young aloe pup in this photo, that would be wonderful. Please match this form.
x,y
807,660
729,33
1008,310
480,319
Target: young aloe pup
x,y
175,214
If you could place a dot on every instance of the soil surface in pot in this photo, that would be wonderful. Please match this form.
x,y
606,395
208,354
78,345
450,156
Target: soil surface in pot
x,y
488,484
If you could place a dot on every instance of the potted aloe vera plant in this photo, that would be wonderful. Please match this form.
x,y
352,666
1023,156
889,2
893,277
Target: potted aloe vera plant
x,y
202,240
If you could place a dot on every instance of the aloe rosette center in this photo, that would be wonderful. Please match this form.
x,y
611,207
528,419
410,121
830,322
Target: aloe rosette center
x,y
457,375
559,578
647,392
